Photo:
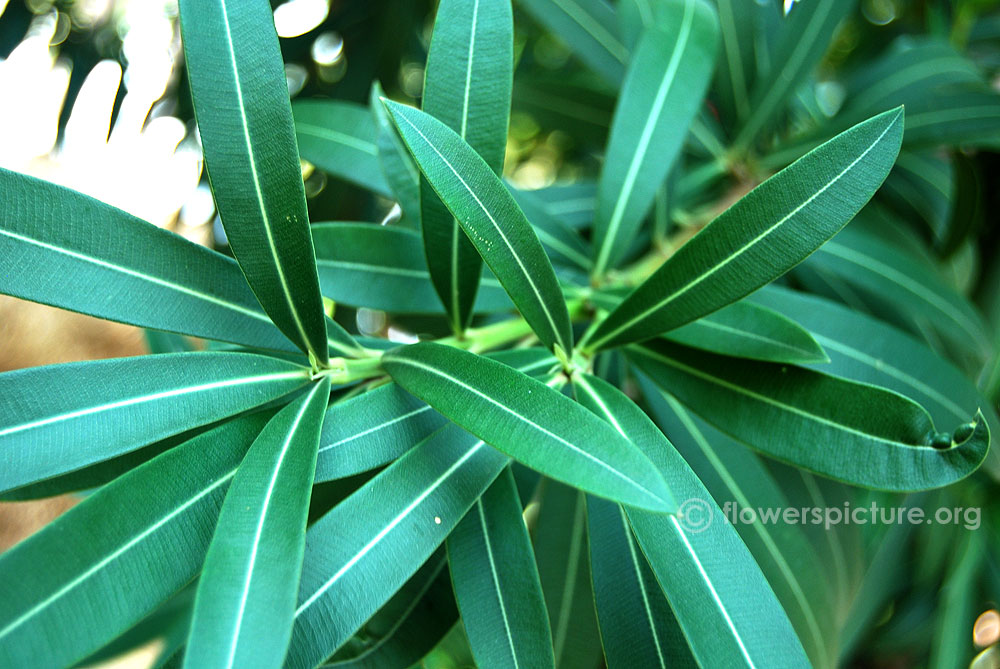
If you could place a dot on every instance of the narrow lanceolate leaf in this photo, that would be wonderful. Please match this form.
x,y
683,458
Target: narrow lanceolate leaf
x,y
382,267
380,425
736,71
397,166
151,521
467,87
529,421
747,330
56,245
245,120
496,582
247,590
562,242
957,604
589,28
804,37
339,137
666,81
408,626
724,605
560,543
492,220
870,437
771,229
739,480
638,629
363,550
96,410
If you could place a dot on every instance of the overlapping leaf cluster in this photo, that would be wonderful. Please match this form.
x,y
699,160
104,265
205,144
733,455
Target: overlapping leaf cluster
x,y
507,454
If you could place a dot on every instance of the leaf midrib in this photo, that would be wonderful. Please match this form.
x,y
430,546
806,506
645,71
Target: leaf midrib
x,y
496,580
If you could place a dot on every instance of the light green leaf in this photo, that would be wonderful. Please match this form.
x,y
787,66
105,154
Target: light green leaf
x,y
380,425
339,137
96,410
245,121
496,582
803,39
529,421
381,267
246,592
766,233
737,478
848,431
408,626
638,629
560,541
63,243
56,608
728,612
905,285
746,330
363,550
397,166
488,214
959,600
590,30
666,81
467,86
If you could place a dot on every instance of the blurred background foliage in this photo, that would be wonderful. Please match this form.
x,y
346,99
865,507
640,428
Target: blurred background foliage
x,y
93,95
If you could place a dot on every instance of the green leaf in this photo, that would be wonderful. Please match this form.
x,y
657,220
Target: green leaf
x,y
57,244
736,72
496,582
922,187
246,593
563,243
589,28
903,284
560,541
959,600
638,629
363,550
801,43
409,625
870,437
339,137
666,81
529,421
747,330
572,203
735,476
762,236
467,86
725,607
56,608
96,410
488,214
382,267
397,166
241,104
380,425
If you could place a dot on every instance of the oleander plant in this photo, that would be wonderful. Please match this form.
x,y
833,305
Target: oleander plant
x,y
768,282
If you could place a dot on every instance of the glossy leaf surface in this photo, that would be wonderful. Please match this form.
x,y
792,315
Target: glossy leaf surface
x,y
340,138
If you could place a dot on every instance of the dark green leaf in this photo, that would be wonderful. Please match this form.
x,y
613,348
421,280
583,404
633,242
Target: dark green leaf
x,y
958,604
363,550
529,421
397,166
666,81
762,236
848,431
561,241
57,244
380,267
589,28
246,592
467,86
638,629
496,582
339,137
93,411
245,121
728,612
56,609
488,214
